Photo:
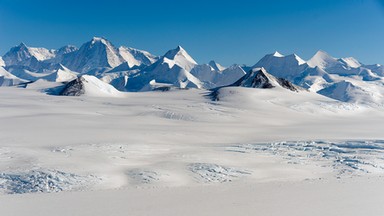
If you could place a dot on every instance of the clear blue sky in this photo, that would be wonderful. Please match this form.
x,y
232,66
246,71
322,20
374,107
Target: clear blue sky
x,y
236,31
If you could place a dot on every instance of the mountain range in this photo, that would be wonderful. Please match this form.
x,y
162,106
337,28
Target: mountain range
x,y
99,62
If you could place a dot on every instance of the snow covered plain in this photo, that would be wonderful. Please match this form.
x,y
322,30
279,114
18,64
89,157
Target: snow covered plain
x,y
252,152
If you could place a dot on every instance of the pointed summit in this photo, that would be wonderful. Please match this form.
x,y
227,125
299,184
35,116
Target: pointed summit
x,y
178,51
216,66
282,66
99,40
260,78
321,59
97,53
181,58
277,54
22,45
341,66
62,74
299,59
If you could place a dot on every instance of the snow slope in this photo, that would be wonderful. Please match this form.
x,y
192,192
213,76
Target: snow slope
x,y
8,79
25,73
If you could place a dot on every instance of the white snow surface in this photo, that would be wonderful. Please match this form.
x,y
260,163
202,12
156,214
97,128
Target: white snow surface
x,y
179,153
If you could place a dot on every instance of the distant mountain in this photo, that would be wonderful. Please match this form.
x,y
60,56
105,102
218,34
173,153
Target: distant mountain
x,y
22,55
61,52
172,68
181,58
282,66
376,68
96,53
211,77
347,92
313,79
130,69
135,57
216,66
341,66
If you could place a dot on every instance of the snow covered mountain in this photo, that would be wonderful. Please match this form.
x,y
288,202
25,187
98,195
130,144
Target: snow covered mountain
x,y
260,78
62,74
60,54
172,68
136,57
341,66
90,86
22,55
282,66
347,92
181,58
376,68
35,59
216,75
129,69
97,53
313,79
216,66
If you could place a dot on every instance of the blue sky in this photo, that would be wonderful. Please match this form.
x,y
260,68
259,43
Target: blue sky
x,y
240,31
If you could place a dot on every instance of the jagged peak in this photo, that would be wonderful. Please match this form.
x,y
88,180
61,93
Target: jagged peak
x,y
100,40
277,54
216,66
322,54
179,51
22,44
171,54
299,59
96,39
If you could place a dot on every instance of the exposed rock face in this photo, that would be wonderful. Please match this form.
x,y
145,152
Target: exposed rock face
x,y
74,88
